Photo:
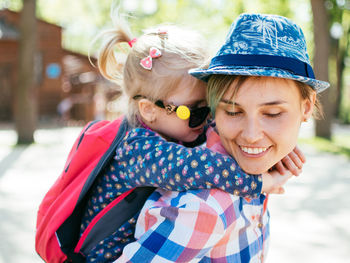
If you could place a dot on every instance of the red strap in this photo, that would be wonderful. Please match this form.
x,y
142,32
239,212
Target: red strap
x,y
98,217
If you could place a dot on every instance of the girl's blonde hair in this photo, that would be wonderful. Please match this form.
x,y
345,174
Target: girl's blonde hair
x,y
219,84
182,49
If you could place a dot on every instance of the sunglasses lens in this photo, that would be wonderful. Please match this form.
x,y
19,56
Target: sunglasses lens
x,y
198,116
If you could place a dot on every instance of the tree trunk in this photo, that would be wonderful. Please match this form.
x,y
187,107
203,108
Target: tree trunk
x,y
26,91
343,52
340,57
321,57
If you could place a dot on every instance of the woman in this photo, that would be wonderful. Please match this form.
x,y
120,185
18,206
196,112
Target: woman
x,y
261,88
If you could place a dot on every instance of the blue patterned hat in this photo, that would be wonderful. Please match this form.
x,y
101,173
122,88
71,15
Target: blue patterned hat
x,y
263,45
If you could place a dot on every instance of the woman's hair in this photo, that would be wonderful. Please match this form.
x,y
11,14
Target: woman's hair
x,y
182,49
219,84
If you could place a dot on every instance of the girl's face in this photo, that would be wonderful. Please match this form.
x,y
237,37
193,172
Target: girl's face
x,y
191,93
260,125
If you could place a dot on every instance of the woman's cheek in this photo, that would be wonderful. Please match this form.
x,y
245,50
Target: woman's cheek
x,y
227,125
282,130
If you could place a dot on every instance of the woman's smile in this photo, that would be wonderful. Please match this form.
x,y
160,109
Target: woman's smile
x,y
255,152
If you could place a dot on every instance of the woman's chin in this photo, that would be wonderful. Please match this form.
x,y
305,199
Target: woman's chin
x,y
254,169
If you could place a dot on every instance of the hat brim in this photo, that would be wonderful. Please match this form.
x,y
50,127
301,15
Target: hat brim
x,y
204,74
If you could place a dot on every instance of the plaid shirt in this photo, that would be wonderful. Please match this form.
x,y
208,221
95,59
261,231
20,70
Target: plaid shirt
x,y
200,226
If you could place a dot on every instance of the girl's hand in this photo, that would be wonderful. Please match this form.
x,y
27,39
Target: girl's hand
x,y
278,175
273,181
293,163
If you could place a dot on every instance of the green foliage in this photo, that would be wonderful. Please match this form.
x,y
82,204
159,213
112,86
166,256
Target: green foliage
x,y
82,20
211,17
11,4
276,7
340,144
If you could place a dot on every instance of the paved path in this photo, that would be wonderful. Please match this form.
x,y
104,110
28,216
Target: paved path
x,y
310,223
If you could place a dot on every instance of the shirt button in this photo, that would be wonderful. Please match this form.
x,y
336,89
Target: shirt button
x,y
260,225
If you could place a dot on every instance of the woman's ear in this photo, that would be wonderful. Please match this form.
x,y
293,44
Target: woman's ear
x,y
308,106
147,110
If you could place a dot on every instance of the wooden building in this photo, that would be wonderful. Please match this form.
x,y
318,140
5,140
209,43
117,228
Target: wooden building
x,y
60,75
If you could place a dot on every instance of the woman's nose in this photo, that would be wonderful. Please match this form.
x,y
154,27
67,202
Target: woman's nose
x,y
252,131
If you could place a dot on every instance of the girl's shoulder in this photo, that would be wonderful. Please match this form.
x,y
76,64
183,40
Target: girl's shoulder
x,y
139,132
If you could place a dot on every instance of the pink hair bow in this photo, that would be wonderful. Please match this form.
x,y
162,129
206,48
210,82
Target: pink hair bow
x,y
146,62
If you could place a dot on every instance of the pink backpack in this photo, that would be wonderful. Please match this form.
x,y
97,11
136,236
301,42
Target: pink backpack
x,y
59,216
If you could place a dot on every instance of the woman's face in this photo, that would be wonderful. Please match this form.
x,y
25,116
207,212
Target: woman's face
x,y
260,125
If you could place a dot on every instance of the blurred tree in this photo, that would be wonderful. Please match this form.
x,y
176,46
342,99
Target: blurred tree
x,y
81,20
189,13
339,31
26,93
84,19
321,59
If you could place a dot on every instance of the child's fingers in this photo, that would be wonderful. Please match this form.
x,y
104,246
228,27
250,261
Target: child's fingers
x,y
289,174
300,154
296,160
287,161
280,168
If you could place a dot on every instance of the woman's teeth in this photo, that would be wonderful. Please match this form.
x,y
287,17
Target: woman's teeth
x,y
250,150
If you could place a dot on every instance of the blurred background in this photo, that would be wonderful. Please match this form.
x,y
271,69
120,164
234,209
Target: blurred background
x,y
46,76
49,89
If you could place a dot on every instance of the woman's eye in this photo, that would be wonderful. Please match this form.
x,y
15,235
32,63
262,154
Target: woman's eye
x,y
273,115
233,113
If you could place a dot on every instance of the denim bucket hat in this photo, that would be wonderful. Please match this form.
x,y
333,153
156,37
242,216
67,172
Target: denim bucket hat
x,y
263,45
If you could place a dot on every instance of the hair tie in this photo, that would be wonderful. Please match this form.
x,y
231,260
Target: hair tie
x,y
163,35
132,42
146,62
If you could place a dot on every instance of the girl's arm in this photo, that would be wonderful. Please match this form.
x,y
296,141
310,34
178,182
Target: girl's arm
x,y
146,159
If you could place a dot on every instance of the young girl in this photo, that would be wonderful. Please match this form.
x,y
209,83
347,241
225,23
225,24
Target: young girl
x,y
167,110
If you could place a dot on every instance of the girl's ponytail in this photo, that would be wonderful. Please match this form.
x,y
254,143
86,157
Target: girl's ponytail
x,y
108,65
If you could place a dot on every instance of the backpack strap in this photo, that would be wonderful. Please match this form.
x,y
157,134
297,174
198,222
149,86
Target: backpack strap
x,y
113,216
68,233
75,258
108,155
